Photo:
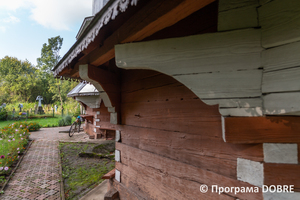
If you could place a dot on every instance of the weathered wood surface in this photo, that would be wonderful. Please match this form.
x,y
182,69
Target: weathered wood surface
x,y
233,4
239,18
224,84
210,52
287,80
204,151
209,77
91,101
170,179
262,129
281,57
282,103
280,22
156,107
282,174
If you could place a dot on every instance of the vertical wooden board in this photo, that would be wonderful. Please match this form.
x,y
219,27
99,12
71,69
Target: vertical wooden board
x,y
282,174
185,178
281,57
224,84
280,22
232,4
212,52
282,103
286,80
244,17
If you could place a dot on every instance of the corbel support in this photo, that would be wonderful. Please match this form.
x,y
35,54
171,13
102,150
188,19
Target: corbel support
x,y
107,84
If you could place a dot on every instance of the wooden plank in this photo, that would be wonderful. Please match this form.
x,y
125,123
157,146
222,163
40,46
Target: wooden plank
x,y
282,103
281,57
164,175
286,80
167,115
280,21
244,17
233,4
210,52
282,174
109,175
205,150
262,129
224,84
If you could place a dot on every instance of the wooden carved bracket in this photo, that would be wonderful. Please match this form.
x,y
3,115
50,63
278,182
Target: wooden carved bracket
x,y
107,84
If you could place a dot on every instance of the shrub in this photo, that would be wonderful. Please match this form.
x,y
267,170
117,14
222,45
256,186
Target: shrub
x,y
68,120
61,122
3,114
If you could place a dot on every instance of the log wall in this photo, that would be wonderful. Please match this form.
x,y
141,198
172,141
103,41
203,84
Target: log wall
x,y
171,142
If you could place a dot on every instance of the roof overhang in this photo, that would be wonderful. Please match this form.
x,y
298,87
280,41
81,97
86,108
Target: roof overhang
x,y
122,21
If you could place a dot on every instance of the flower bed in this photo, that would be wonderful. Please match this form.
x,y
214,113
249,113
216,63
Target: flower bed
x,y
13,139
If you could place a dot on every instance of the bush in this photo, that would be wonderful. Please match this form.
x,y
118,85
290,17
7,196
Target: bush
x,y
68,120
61,122
3,114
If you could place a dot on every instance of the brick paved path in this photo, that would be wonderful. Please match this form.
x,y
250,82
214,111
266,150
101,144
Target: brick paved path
x,y
38,176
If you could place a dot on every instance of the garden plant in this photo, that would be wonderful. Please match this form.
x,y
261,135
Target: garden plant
x,y
13,139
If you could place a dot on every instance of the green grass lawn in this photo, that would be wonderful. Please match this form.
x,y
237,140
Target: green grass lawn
x,y
48,122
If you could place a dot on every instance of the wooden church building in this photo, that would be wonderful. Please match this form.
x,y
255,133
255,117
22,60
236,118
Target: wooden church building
x,y
199,92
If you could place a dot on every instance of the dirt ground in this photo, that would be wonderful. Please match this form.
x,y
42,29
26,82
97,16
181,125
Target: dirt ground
x,y
81,174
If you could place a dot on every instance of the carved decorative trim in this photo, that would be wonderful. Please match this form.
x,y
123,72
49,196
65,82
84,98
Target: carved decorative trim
x,y
110,14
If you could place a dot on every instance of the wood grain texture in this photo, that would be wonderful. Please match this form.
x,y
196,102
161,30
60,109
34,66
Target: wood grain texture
x,y
169,178
281,57
262,129
244,17
224,84
282,103
286,80
233,4
280,22
156,107
282,174
210,52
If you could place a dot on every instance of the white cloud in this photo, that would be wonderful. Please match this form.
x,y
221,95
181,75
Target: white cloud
x,y
55,14
11,19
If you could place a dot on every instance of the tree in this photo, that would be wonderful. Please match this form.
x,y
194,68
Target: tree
x,y
49,58
18,79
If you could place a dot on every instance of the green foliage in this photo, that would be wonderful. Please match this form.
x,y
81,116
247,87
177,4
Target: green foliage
x,y
61,122
3,114
13,139
68,120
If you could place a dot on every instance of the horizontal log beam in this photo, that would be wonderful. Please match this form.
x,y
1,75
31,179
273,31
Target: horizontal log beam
x,y
275,129
282,174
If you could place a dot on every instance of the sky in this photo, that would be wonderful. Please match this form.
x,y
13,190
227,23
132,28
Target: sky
x,y
25,25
